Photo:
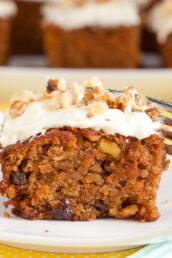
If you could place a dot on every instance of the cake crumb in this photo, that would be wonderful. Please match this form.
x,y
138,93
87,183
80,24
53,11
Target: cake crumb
x,y
166,201
6,214
90,115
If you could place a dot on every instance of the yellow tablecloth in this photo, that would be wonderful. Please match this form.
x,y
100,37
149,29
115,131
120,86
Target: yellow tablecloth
x,y
12,252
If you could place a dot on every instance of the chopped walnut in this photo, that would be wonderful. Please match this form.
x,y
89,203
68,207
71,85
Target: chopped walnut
x,y
52,85
55,98
25,96
20,101
90,115
109,147
127,212
98,108
17,108
167,7
61,84
90,94
67,3
93,82
66,99
78,92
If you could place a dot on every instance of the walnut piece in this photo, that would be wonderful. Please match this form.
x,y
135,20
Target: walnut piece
x,y
52,85
93,82
24,96
61,84
66,99
109,147
17,108
167,7
98,108
127,212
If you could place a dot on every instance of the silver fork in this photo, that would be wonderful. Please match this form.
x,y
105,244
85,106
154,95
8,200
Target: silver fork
x,y
163,105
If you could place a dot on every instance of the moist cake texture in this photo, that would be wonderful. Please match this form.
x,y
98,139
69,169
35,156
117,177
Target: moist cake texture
x,y
82,153
75,35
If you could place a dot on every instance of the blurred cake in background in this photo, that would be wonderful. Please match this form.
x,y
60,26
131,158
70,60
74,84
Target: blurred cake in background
x,y
159,22
92,34
26,28
7,12
148,38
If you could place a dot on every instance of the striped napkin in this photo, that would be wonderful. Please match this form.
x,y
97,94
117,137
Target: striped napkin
x,y
161,250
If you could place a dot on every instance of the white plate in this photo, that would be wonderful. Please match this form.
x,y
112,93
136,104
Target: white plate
x,y
103,235
94,236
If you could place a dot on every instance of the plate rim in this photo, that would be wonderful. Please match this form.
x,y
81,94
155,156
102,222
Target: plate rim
x,y
50,241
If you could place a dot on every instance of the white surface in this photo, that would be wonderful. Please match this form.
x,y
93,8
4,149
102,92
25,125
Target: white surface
x,y
106,14
94,236
7,8
160,22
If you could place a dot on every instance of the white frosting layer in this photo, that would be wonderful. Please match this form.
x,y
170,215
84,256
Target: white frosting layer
x,y
36,120
160,22
7,8
105,14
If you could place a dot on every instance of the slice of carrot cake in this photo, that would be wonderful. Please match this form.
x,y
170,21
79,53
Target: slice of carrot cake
x,y
81,153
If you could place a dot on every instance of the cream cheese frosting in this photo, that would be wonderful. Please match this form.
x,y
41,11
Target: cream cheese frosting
x,y
159,20
58,109
105,14
7,8
36,120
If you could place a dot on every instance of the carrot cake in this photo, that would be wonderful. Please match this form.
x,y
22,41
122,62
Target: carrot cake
x,y
159,22
7,11
148,42
26,36
95,34
81,153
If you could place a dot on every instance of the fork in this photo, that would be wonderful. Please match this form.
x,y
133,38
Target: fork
x,y
163,105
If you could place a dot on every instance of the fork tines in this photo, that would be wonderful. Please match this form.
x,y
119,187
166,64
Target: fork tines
x,y
161,104
164,105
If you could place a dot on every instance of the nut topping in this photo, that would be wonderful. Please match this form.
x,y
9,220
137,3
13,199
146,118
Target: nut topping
x,y
109,147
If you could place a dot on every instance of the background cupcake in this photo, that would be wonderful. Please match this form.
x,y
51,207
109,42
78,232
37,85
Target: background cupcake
x,y
26,28
7,12
92,34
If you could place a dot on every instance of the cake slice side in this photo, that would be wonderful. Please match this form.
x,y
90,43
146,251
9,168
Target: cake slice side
x,y
83,173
